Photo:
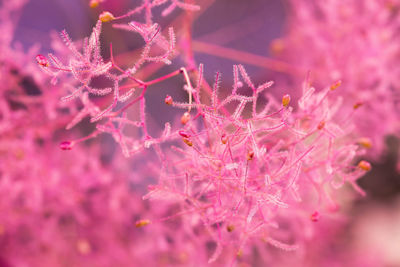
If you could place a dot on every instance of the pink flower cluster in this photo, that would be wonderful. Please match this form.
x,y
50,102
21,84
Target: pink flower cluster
x,y
357,42
242,173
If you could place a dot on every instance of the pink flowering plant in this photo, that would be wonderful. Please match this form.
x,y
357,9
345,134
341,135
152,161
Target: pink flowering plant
x,y
240,175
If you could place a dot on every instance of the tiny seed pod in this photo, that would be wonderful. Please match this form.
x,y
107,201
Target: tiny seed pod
x,y
250,155
66,145
321,125
230,228
184,134
224,139
42,60
168,100
315,216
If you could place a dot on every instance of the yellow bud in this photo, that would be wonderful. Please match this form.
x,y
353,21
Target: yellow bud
x,y
230,228
357,105
364,165
286,100
365,142
106,16
187,141
336,84
94,3
142,223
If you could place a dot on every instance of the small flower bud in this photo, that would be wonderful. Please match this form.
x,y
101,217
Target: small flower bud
x,y
230,228
184,134
168,100
42,60
286,100
321,125
250,155
357,105
66,145
336,84
315,216
187,141
224,139
185,118
106,16
365,142
364,165
94,3
142,223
